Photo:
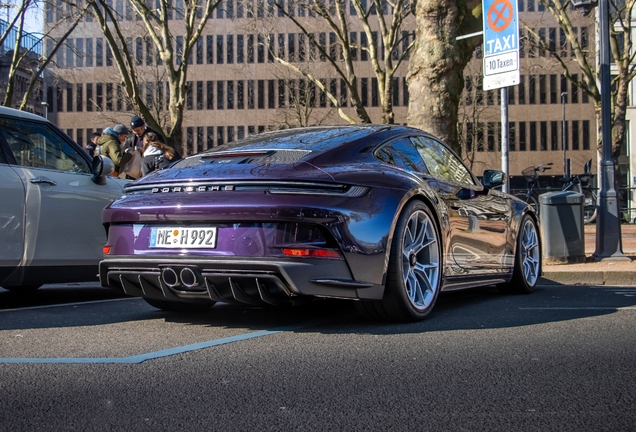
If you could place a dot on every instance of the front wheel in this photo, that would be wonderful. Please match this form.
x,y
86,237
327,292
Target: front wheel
x,y
527,266
414,273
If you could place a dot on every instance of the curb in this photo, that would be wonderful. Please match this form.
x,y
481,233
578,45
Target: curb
x,y
589,278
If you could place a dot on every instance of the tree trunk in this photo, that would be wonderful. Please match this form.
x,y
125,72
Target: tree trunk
x,y
619,126
436,69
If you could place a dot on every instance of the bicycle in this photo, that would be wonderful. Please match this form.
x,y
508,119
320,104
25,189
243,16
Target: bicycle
x,y
531,175
581,184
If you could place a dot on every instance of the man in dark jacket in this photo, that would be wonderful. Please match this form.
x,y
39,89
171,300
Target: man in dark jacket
x,y
139,131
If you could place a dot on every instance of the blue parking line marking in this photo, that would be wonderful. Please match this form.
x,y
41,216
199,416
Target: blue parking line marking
x,y
148,356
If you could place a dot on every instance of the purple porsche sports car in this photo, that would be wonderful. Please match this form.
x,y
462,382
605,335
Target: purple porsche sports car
x,y
385,215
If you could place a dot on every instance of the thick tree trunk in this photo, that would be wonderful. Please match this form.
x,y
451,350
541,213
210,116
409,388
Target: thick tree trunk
x,y
436,69
619,126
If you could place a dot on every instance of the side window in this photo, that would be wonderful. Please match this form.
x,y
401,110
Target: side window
x,y
441,162
401,154
38,145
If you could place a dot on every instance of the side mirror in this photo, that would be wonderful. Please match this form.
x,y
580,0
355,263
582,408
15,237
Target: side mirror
x,y
102,167
493,178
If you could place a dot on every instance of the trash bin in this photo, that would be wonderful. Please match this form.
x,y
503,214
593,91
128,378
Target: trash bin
x,y
562,227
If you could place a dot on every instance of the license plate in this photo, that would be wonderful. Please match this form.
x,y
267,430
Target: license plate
x,y
183,238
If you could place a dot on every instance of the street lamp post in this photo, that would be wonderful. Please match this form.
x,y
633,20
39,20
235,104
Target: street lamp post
x,y
564,138
46,109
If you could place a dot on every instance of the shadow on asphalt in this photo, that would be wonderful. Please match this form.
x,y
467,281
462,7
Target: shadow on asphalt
x,y
481,308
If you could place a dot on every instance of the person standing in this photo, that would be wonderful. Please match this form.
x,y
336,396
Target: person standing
x,y
139,131
157,155
92,144
109,145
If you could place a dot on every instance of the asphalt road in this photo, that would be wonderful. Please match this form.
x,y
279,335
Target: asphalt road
x,y
561,359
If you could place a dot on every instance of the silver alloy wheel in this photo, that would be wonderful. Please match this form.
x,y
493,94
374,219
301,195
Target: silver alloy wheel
x,y
530,254
420,260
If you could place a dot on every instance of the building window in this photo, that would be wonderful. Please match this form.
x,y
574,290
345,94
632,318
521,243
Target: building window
x,y
69,97
210,136
109,96
219,135
575,135
189,96
240,95
543,97
270,94
364,91
220,100
532,95
543,131
209,51
291,47
554,135
270,49
553,89
230,49
199,95
512,142
210,94
281,93
374,92
364,47
250,48
240,132
89,97
230,95
491,137
69,53
199,139
574,90
79,97
533,136
522,136
344,92
586,134
260,49
230,134
240,53
281,46
189,140
261,94
250,94
199,50
302,47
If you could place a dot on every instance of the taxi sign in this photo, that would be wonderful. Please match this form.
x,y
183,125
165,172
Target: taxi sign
x,y
501,43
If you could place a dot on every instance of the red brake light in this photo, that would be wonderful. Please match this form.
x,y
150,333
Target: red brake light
x,y
106,250
315,253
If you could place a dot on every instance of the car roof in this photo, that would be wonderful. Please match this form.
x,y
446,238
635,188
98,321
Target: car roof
x,y
12,112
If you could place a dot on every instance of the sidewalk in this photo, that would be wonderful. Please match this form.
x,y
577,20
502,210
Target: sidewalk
x,y
606,272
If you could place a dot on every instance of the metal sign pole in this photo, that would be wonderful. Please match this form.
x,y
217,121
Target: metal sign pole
x,y
504,136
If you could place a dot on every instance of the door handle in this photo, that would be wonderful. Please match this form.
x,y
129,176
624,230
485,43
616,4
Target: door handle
x,y
43,180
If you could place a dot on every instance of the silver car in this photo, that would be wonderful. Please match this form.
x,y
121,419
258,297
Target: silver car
x,y
53,195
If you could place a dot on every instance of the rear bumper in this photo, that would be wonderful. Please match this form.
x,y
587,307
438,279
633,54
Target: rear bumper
x,y
228,279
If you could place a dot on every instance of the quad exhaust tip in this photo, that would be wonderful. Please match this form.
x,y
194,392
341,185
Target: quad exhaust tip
x,y
187,277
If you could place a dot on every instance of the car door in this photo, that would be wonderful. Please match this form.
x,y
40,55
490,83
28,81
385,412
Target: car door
x,y
478,217
11,215
63,206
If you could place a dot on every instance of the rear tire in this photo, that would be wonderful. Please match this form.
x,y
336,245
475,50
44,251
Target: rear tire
x,y
414,273
527,267
176,306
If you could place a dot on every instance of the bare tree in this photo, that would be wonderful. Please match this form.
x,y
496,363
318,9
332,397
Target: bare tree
x,y
172,51
25,56
621,44
341,55
436,68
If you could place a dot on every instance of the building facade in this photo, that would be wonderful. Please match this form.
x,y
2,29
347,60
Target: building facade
x,y
236,88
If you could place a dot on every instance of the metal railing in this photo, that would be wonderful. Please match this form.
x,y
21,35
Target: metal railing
x,y
29,41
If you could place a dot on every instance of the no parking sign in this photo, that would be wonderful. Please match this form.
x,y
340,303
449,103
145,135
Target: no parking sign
x,y
501,43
